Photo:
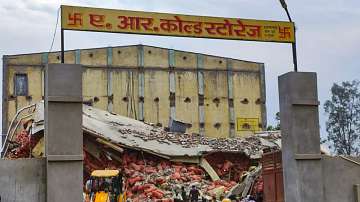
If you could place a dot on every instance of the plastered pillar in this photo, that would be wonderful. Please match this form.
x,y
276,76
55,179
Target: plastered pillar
x,y
299,118
63,132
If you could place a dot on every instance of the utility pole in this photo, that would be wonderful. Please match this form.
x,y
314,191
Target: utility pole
x,y
284,5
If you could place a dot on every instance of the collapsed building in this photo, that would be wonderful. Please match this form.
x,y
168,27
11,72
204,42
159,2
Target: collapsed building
x,y
216,96
153,160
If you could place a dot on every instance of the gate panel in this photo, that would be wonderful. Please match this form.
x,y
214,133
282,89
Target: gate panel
x,y
273,177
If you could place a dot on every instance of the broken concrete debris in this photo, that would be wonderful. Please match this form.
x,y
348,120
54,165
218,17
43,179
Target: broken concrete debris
x,y
150,177
155,162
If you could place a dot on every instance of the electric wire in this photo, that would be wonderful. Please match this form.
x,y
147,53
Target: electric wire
x,y
54,35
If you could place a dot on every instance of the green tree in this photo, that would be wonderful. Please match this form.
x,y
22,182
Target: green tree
x,y
277,127
343,124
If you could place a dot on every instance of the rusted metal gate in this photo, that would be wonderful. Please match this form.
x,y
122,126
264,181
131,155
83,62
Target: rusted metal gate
x,y
273,177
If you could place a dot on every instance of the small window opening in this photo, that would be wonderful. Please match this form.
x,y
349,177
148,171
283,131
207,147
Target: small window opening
x,y
21,85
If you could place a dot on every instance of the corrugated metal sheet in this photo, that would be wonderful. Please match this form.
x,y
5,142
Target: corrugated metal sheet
x,y
152,84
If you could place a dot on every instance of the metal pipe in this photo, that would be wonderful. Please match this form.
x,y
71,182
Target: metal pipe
x,y
6,144
13,120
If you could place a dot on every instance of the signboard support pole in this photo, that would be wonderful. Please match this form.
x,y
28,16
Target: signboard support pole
x,y
62,47
293,43
294,53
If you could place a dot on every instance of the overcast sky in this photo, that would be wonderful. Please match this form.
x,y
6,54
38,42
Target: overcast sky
x,y
328,35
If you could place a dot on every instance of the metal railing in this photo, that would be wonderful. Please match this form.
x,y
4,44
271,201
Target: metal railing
x,y
12,130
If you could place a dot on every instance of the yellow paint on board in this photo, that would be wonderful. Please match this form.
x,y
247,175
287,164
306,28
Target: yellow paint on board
x,y
166,24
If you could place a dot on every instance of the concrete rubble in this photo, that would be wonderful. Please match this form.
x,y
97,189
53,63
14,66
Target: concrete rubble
x,y
155,162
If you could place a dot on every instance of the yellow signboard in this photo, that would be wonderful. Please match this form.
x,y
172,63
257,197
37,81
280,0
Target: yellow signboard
x,y
134,22
247,124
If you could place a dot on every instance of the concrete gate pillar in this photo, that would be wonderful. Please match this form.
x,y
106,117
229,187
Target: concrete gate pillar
x,y
63,132
299,118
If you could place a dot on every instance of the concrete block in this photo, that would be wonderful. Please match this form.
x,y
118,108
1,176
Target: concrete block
x,y
23,180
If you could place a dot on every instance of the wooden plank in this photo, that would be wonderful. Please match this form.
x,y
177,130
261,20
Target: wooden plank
x,y
111,145
207,167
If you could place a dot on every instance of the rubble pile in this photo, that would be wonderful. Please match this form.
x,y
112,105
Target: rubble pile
x,y
149,177
153,161
23,143
229,166
248,145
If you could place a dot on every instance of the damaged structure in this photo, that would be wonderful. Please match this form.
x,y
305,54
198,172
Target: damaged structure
x,y
154,161
226,96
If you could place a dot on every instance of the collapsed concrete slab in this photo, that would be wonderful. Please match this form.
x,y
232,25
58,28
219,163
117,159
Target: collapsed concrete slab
x,y
147,137
150,156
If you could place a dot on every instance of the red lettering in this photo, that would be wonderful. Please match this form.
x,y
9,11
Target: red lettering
x,y
179,25
239,28
126,22
253,30
97,20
